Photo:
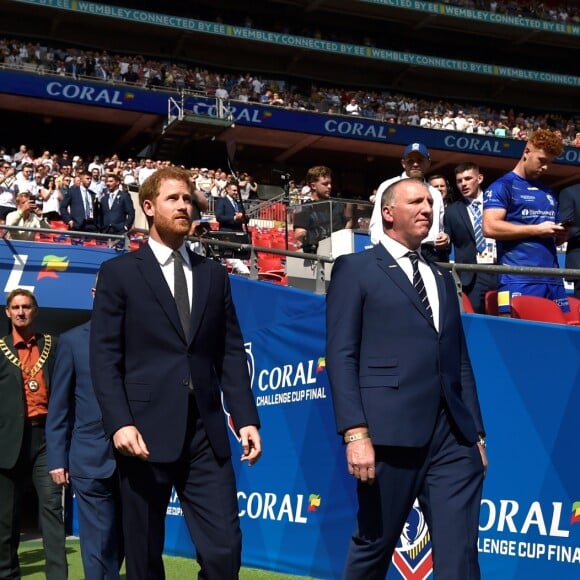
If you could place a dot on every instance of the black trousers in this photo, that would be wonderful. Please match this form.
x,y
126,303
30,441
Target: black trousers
x,y
206,488
31,464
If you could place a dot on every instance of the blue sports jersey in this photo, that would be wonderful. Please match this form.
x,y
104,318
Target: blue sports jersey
x,y
525,202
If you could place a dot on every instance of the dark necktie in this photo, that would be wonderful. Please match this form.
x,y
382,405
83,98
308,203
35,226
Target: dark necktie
x,y
180,291
418,283
478,232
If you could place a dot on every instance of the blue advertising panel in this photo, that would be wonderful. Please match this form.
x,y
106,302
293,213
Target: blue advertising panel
x,y
60,275
129,98
297,505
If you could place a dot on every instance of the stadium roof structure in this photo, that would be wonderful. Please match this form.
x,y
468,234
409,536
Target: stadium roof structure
x,y
425,48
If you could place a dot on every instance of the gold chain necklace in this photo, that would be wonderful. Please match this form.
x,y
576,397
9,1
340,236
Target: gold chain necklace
x,y
31,383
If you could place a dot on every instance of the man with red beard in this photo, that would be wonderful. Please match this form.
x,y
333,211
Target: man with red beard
x,y
165,345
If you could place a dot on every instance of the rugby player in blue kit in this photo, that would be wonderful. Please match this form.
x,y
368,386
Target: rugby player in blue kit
x,y
521,213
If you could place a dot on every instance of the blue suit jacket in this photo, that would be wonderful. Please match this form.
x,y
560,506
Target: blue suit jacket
x,y
388,366
73,208
119,218
141,360
460,230
75,438
224,214
570,210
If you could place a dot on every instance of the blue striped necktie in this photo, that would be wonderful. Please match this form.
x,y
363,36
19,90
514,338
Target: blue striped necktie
x,y
418,283
479,239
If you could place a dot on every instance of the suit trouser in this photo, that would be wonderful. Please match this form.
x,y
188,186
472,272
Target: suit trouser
x,y
100,533
446,477
207,491
32,462
481,283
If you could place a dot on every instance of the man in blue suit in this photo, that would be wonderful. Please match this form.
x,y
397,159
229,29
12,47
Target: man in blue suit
x,y
79,207
228,212
165,345
117,213
570,215
79,454
404,394
463,225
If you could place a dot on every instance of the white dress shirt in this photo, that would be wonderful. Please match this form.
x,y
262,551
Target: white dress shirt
x,y
400,255
163,255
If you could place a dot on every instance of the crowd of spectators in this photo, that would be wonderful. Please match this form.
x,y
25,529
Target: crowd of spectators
x,y
382,106
565,12
47,177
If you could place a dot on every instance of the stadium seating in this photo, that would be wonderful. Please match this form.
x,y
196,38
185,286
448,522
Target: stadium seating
x,y
491,303
467,306
539,310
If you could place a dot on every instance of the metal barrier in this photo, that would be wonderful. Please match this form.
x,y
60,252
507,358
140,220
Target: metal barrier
x,y
318,260
112,240
566,273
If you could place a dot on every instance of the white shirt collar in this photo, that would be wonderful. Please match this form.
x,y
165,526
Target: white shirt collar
x,y
396,249
163,253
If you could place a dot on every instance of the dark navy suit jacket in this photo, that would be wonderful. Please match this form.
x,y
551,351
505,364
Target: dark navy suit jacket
x,y
119,218
388,366
74,429
142,361
570,210
460,230
72,207
224,214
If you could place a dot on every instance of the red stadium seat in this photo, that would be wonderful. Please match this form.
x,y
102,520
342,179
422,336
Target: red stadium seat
x,y
574,313
467,305
269,262
491,303
538,309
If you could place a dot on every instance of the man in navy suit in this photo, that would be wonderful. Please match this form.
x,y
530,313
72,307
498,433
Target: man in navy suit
x,y
117,213
404,394
463,225
79,206
79,454
228,212
570,214
165,346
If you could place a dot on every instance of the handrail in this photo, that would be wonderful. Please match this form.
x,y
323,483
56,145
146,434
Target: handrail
x,y
318,259
112,239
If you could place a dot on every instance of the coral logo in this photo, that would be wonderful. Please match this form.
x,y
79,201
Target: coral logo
x,y
275,507
51,266
314,501
413,557
575,519
251,373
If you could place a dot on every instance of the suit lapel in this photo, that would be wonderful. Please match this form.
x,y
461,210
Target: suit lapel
x,y
441,294
201,285
156,280
387,264
153,276
464,215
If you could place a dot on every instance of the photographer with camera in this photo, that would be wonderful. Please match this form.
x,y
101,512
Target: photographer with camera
x,y
27,215
314,221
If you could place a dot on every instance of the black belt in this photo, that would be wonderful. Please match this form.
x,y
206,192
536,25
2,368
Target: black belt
x,y
38,421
